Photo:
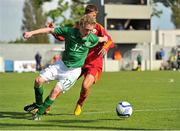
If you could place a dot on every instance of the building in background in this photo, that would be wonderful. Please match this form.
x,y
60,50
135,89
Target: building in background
x,y
129,24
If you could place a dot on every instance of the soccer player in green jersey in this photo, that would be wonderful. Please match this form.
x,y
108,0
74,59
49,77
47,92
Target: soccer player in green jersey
x,y
77,44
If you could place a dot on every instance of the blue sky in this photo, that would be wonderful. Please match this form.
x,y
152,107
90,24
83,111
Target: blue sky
x,y
164,22
11,19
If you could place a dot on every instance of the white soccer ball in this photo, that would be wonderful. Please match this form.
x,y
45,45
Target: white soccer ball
x,y
124,109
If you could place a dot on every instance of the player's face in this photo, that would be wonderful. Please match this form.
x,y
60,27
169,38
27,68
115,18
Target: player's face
x,y
86,29
93,14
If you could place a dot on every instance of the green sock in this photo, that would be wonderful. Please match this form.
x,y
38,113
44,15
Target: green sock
x,y
39,95
48,102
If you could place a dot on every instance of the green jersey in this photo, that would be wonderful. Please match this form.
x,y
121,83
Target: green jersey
x,y
76,48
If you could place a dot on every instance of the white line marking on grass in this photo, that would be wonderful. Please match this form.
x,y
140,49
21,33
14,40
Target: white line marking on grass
x,y
144,110
163,109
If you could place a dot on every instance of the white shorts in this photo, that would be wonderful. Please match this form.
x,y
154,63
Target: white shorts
x,y
66,77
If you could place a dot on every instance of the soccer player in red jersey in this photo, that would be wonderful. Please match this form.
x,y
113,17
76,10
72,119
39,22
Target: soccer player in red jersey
x,y
92,68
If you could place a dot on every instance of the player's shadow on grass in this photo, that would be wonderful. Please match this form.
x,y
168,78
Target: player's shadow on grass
x,y
62,114
83,120
73,124
14,115
71,114
41,126
69,124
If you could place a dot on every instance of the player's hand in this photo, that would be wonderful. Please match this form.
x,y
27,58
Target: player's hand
x,y
27,35
102,52
105,38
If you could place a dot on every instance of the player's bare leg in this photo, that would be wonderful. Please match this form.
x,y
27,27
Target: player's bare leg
x,y
87,83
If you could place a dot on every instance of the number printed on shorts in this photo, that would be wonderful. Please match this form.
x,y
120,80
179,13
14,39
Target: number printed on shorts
x,y
67,83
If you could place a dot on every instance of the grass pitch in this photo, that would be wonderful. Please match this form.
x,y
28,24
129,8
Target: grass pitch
x,y
155,97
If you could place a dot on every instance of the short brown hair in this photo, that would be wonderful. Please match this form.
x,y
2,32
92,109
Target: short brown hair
x,y
86,19
91,8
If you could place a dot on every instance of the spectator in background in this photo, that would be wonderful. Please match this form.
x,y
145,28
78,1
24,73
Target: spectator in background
x,y
139,62
38,61
162,53
158,57
173,51
117,55
120,26
173,62
178,60
142,2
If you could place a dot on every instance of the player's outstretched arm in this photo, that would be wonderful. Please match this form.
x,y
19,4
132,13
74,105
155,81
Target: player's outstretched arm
x,y
29,34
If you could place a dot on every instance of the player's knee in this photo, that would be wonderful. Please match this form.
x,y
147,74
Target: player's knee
x,y
85,86
88,81
39,80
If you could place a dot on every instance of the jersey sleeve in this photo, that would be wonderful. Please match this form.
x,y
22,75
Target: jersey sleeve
x,y
102,32
109,44
93,41
61,31
60,38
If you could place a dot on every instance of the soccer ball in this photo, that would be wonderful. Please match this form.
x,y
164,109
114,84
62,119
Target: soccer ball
x,y
124,109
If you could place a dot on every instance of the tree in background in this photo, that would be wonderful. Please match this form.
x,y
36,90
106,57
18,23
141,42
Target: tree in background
x,y
18,40
57,13
176,14
76,10
34,19
175,7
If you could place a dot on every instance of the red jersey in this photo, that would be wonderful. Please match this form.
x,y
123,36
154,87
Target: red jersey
x,y
93,59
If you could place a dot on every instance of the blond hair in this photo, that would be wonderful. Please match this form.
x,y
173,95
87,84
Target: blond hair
x,y
86,19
